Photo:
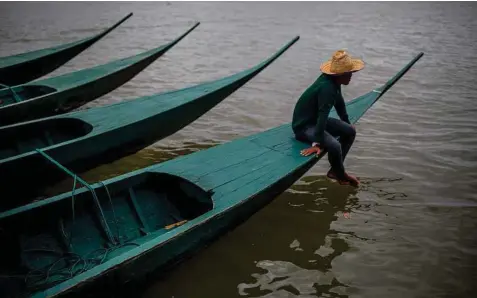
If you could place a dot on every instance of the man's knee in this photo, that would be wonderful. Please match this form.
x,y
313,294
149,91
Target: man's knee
x,y
350,132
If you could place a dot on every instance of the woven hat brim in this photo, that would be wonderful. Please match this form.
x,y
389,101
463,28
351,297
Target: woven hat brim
x,y
358,65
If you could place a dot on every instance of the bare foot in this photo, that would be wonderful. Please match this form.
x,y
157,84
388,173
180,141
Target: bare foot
x,y
332,176
352,180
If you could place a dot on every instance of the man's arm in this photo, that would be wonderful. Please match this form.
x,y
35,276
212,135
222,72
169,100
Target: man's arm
x,y
325,103
341,109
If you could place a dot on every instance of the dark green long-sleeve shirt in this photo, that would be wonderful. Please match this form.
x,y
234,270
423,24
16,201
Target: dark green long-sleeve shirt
x,y
315,104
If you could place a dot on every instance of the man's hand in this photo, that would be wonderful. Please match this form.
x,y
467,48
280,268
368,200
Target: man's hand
x,y
311,150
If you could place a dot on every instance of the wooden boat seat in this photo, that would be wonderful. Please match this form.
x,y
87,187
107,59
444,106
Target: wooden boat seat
x,y
137,209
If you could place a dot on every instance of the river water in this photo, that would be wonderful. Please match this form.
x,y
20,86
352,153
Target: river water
x,y
411,229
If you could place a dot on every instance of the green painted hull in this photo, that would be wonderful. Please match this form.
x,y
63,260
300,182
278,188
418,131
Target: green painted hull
x,y
134,215
64,93
21,68
85,139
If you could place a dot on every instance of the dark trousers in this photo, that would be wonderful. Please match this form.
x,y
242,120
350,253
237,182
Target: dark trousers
x,y
337,148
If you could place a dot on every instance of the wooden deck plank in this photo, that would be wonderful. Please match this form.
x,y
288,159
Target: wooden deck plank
x,y
227,174
248,185
209,161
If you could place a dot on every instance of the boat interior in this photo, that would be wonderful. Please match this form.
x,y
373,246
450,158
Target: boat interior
x,y
67,236
26,137
13,95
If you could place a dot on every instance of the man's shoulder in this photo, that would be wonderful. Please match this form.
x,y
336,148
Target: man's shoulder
x,y
323,86
326,85
324,80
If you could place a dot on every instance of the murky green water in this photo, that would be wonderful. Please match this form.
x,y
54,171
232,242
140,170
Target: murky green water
x,y
411,229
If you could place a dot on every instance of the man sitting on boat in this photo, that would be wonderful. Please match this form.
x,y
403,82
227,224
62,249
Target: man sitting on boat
x,y
312,124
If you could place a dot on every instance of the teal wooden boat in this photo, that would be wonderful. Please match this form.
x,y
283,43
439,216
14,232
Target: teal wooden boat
x,y
66,92
85,139
119,230
21,68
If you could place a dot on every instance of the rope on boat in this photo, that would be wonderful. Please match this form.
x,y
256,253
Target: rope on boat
x,y
112,209
73,198
73,214
37,279
15,95
74,264
76,177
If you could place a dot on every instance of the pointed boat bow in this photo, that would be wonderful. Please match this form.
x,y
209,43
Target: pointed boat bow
x,y
358,106
400,74
270,60
84,76
21,68
174,42
108,30
251,72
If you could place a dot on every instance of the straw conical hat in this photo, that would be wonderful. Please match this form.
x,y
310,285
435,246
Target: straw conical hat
x,y
341,63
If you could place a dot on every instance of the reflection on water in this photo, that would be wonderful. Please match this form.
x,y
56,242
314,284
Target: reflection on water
x,y
297,264
308,273
315,255
285,278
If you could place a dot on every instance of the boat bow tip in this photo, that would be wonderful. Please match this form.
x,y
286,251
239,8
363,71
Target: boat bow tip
x,y
290,43
281,51
115,25
125,18
192,28
400,74
176,41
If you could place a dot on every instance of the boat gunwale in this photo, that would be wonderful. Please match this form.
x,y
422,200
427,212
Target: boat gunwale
x,y
31,207
48,148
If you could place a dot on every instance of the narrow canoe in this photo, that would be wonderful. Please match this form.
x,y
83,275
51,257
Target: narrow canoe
x,y
148,219
64,93
85,139
21,68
